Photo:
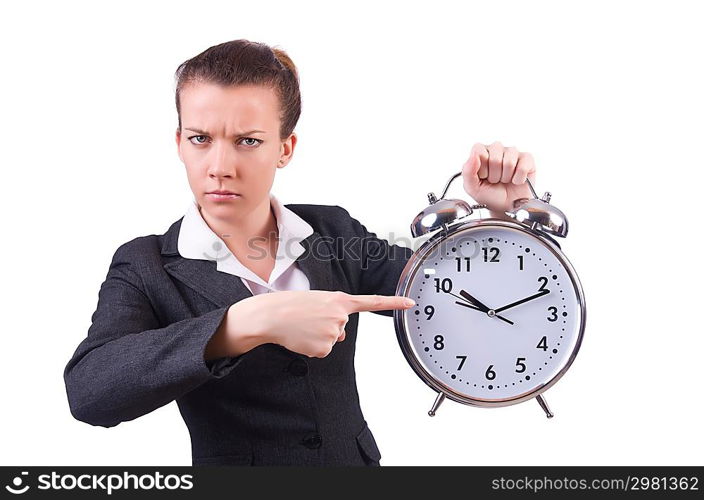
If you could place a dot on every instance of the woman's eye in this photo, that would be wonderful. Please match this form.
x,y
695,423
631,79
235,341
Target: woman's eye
x,y
195,137
257,141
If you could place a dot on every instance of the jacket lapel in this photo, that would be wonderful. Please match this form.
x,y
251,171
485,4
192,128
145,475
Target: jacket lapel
x,y
202,276
225,289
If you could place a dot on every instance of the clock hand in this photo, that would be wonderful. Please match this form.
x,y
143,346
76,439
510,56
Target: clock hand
x,y
535,296
474,300
466,304
473,307
479,306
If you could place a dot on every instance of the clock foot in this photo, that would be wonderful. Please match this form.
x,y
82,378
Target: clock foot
x,y
544,405
436,404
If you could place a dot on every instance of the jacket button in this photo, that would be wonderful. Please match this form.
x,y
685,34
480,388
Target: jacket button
x,y
298,367
313,441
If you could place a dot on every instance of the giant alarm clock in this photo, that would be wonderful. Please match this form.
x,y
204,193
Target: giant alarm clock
x,y
500,312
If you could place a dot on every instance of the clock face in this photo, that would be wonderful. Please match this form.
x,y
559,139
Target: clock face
x,y
497,314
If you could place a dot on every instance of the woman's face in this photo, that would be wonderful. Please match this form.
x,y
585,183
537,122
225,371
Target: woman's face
x,y
230,141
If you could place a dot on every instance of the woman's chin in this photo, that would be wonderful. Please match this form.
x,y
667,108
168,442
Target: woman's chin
x,y
224,209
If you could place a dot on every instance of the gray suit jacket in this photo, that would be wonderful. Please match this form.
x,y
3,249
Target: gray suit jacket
x,y
270,406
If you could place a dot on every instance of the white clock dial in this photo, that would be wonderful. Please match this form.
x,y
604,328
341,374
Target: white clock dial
x,y
497,313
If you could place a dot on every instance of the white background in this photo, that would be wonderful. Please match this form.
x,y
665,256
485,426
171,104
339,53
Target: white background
x,y
607,96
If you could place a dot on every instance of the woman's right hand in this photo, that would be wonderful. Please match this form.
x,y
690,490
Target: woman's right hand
x,y
307,322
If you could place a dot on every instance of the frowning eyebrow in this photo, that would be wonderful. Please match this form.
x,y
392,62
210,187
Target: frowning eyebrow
x,y
197,131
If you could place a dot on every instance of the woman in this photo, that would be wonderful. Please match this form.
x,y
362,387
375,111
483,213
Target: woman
x,y
260,378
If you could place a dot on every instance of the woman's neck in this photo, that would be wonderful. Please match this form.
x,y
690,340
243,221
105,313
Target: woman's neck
x,y
249,235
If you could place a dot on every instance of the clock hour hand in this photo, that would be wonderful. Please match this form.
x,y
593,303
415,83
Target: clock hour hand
x,y
518,302
474,301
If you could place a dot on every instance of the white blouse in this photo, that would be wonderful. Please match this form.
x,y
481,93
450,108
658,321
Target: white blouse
x,y
197,241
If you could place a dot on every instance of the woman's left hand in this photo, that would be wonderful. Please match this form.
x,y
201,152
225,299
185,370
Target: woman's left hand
x,y
495,175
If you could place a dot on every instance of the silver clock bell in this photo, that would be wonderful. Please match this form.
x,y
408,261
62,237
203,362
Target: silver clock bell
x,y
535,213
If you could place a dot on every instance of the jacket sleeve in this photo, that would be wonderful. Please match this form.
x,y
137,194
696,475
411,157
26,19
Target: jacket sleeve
x,y
127,366
379,265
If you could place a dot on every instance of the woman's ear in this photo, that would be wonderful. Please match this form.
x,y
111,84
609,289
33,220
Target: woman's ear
x,y
287,148
178,144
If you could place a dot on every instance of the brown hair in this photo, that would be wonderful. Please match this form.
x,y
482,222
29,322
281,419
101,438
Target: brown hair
x,y
242,62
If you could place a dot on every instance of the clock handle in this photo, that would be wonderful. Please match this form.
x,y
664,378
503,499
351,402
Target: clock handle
x,y
447,186
455,176
437,403
544,405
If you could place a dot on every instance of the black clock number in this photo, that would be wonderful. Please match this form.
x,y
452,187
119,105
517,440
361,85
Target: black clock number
x,y
462,360
439,344
543,344
544,282
520,364
490,374
459,263
553,315
494,250
445,285
520,262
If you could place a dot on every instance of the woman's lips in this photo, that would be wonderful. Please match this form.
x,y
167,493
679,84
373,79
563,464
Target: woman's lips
x,y
222,197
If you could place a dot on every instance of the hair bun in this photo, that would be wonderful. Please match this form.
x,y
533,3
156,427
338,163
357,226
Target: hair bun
x,y
285,61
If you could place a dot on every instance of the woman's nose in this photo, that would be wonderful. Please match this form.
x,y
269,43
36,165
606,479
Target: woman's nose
x,y
222,162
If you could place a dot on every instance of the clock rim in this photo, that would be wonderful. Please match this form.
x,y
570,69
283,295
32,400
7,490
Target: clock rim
x,y
402,334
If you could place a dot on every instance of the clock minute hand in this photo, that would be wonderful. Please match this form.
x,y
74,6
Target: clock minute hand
x,y
535,296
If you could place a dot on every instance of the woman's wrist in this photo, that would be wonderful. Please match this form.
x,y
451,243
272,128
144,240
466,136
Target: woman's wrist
x,y
246,326
241,330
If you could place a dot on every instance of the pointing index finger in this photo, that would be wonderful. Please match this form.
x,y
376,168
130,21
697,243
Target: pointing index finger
x,y
358,303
